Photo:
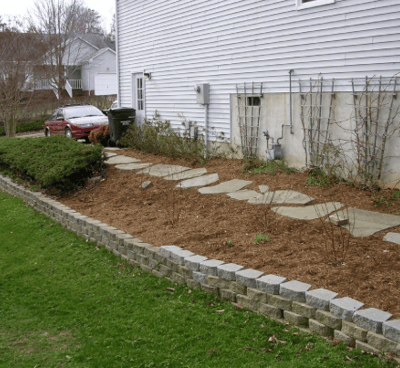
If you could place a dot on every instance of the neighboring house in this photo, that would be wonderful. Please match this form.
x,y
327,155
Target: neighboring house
x,y
316,45
86,56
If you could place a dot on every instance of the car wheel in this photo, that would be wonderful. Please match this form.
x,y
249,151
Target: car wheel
x,y
47,133
68,133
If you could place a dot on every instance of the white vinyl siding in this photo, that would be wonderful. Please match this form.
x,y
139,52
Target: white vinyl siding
x,y
224,42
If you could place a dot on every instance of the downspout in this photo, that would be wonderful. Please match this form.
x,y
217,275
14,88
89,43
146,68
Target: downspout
x,y
206,130
117,53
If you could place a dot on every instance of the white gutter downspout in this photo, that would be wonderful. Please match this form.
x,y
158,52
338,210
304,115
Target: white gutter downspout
x,y
117,54
206,130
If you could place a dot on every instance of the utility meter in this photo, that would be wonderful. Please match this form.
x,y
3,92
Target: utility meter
x,y
202,93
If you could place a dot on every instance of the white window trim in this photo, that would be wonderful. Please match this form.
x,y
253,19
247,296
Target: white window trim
x,y
300,5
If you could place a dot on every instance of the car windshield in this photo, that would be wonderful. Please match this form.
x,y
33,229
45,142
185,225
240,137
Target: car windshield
x,y
81,111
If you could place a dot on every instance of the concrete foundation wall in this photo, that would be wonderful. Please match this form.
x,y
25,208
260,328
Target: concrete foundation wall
x,y
275,113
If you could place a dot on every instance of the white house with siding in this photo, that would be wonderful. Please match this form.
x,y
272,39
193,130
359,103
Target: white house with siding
x,y
309,55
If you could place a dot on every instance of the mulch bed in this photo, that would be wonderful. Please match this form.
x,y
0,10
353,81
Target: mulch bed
x,y
219,227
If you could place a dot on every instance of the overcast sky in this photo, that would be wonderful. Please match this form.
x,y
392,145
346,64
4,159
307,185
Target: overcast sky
x,y
19,7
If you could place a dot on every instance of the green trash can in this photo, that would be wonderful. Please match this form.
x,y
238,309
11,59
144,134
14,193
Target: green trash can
x,y
119,120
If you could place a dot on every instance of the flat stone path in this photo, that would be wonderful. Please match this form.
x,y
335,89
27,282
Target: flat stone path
x,y
110,154
120,159
133,166
188,174
365,223
281,197
308,212
201,181
361,223
225,187
163,170
243,195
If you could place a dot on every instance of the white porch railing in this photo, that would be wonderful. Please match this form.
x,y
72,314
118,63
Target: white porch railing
x,y
68,88
75,83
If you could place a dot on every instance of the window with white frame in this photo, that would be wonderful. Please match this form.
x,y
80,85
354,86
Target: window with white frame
x,y
305,4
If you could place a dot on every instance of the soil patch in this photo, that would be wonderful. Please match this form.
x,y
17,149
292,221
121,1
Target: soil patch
x,y
219,227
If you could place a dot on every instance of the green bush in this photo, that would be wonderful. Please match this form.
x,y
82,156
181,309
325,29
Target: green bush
x,y
159,137
56,162
25,127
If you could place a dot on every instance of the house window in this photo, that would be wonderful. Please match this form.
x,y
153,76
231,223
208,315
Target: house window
x,y
139,91
305,4
253,101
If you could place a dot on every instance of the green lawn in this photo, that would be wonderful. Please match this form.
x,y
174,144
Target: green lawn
x,y
66,303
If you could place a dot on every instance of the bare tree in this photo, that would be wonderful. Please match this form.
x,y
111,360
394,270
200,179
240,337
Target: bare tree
x,y
57,22
18,52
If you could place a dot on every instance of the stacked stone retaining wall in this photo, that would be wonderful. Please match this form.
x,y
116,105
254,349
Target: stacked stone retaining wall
x,y
319,310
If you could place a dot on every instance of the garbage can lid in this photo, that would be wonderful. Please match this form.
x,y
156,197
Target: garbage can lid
x,y
122,109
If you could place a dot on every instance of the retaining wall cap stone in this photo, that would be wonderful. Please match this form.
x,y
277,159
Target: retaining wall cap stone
x,y
371,319
294,290
391,330
344,308
270,283
320,298
179,255
166,250
228,271
248,277
193,262
200,277
209,267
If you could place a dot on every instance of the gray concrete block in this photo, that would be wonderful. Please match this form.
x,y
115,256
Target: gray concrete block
x,y
218,282
294,290
227,271
178,278
210,289
179,255
303,309
257,295
328,319
193,262
366,347
371,319
247,303
279,302
200,277
320,298
248,277
391,330
340,336
227,294
166,271
209,267
381,343
270,311
295,318
319,328
238,288
193,284
270,283
166,250
344,308
352,330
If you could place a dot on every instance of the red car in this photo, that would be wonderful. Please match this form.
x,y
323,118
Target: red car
x,y
75,121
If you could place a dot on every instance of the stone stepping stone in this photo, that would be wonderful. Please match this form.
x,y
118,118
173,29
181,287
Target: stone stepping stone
x,y
133,166
121,160
308,212
225,187
243,195
392,237
188,174
365,223
201,181
161,170
282,197
112,148
263,188
110,154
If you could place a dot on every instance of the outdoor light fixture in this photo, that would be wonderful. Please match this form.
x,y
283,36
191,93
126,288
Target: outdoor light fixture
x,y
147,75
